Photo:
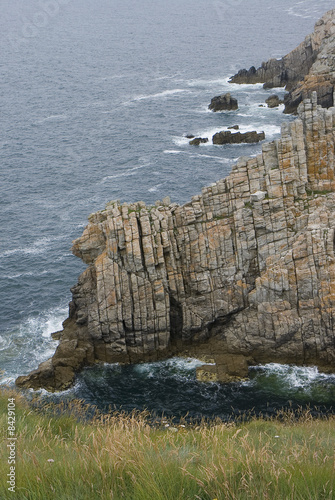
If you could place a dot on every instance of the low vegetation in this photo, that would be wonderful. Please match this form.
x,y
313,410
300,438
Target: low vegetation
x,y
62,454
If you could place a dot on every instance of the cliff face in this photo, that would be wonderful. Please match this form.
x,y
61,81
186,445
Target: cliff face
x,y
244,272
310,67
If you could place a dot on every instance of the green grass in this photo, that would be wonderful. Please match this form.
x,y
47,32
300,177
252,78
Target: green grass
x,y
123,457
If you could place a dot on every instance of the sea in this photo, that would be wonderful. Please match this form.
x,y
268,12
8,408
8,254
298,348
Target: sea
x,y
97,97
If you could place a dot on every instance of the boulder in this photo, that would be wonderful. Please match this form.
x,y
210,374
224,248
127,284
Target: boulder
x,y
224,102
233,127
198,140
273,101
226,137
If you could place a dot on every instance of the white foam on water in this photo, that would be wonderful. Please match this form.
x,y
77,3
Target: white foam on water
x,y
270,131
179,364
180,141
293,378
30,344
130,172
172,152
201,82
159,95
51,118
155,188
22,275
39,246
212,157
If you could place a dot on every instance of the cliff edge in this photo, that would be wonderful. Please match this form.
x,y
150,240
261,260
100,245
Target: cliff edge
x,y
244,273
310,67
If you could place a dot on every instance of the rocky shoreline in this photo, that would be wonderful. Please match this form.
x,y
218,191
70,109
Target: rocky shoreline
x,y
310,67
242,274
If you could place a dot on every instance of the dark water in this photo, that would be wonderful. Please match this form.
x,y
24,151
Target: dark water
x,y
96,98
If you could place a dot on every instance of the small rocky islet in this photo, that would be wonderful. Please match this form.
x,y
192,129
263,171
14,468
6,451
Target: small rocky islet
x,y
242,274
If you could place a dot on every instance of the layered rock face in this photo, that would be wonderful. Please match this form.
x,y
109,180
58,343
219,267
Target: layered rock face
x,y
244,273
310,67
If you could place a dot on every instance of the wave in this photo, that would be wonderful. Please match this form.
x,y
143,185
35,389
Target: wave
x,y
31,343
155,188
165,93
51,117
221,82
177,367
293,382
21,275
270,131
172,152
38,247
212,157
127,173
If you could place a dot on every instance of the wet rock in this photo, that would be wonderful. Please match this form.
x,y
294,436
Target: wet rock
x,y
308,68
234,127
273,101
226,137
224,102
198,140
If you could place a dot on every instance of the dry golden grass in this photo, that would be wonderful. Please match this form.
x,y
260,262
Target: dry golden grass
x,y
119,456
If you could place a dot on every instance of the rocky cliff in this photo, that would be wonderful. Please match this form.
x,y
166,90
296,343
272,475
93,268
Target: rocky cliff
x,y
244,273
310,67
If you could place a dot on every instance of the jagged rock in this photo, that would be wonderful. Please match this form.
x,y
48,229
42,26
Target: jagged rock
x,y
308,68
239,281
198,140
226,137
273,101
190,136
233,127
224,102
258,196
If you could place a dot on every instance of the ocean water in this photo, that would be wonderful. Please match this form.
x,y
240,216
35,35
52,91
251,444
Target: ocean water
x,y
96,100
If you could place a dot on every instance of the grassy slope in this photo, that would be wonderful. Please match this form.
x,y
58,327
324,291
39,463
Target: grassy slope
x,y
119,457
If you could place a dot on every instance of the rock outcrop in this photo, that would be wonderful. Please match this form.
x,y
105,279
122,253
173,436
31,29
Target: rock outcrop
x,y
198,140
224,102
244,272
310,67
226,137
273,101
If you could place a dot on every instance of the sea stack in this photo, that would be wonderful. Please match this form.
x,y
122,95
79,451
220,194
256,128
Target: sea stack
x,y
224,102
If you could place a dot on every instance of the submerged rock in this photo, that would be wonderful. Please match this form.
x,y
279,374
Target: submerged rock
x,y
224,102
